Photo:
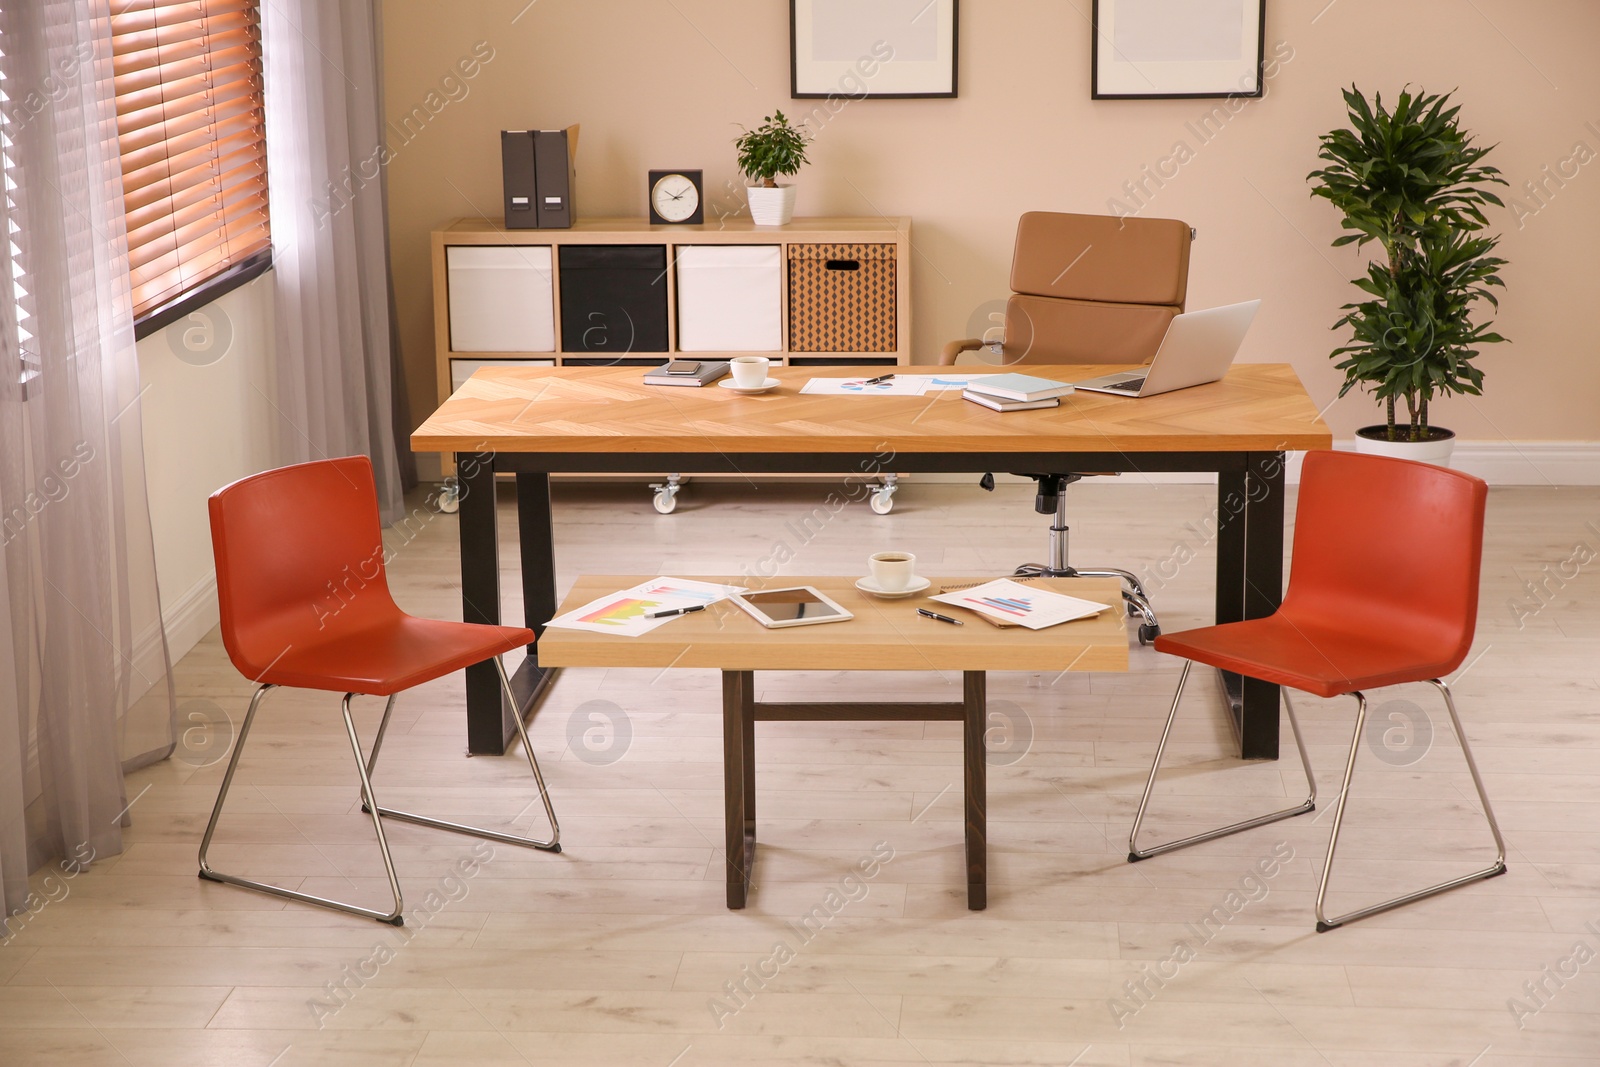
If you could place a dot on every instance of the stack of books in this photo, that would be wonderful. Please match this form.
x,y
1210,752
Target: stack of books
x,y
1016,392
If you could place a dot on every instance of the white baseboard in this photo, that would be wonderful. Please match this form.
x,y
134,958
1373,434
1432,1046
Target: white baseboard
x,y
1526,462
190,616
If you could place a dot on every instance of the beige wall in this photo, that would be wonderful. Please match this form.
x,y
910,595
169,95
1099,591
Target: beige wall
x,y
663,84
207,422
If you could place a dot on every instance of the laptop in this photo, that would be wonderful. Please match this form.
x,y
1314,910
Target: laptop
x,y
1198,349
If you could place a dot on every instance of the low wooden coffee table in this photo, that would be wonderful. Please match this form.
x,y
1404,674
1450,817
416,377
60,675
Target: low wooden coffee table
x,y
885,635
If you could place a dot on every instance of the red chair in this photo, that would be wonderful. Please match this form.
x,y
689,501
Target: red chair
x,y
305,603
1383,590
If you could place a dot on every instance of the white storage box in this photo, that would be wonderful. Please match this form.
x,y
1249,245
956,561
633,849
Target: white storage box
x,y
730,299
501,299
461,369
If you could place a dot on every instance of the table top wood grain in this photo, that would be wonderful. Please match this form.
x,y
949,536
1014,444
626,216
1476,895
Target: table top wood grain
x,y
1258,407
885,635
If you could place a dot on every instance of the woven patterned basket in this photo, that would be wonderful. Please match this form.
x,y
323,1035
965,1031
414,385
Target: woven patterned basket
x,y
842,298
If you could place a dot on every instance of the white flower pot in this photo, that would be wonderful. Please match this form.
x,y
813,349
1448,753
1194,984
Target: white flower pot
x,y
1373,441
771,207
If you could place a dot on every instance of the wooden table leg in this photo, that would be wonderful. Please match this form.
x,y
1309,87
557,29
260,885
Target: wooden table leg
x,y
975,755
738,781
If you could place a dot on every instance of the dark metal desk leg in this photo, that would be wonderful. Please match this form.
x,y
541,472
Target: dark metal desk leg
x,y
738,692
536,541
536,555
488,720
1263,592
975,755
1231,504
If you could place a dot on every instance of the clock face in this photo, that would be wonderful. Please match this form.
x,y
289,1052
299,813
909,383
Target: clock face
x,y
675,197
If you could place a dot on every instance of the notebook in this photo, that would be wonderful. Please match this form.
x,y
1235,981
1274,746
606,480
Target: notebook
x,y
708,372
1000,404
1019,387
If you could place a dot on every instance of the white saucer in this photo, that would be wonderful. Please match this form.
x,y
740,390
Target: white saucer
x,y
729,383
868,586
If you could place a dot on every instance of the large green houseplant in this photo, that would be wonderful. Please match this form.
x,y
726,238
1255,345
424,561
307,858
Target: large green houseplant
x,y
774,148
1412,180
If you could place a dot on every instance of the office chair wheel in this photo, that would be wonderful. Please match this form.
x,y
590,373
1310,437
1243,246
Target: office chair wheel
x,y
1148,632
882,501
449,498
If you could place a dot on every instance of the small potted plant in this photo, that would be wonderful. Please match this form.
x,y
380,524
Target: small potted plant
x,y
771,149
1412,180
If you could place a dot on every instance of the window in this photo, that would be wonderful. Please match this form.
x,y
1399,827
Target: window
x,y
194,160
13,112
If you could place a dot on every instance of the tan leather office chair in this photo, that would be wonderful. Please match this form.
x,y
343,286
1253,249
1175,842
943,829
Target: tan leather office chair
x,y
1087,289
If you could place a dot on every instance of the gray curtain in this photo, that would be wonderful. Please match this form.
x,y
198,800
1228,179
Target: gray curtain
x,y
84,671
335,359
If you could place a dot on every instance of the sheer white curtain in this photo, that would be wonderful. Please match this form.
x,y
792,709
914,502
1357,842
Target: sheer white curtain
x,y
337,385
84,671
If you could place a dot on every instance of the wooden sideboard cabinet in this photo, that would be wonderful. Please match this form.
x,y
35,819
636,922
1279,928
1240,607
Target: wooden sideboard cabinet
x,y
622,292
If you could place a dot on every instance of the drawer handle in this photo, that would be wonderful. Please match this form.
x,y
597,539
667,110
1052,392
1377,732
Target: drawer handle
x,y
844,264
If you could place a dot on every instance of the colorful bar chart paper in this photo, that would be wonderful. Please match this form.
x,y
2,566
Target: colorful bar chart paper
x,y
626,612
1020,605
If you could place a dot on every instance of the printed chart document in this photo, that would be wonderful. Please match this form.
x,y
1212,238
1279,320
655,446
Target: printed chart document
x,y
899,385
950,380
1021,605
624,613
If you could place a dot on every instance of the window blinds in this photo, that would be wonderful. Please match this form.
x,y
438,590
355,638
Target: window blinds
x,y
191,131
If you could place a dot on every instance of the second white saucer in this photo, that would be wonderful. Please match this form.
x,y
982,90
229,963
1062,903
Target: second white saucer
x,y
868,586
729,383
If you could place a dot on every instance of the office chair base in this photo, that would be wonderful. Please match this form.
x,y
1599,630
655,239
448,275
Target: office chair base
x,y
370,807
1135,853
1495,869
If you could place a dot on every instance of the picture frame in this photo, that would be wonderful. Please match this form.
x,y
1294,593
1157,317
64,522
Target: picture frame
x,y
888,49
1177,49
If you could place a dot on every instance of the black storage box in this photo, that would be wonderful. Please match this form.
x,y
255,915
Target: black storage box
x,y
613,298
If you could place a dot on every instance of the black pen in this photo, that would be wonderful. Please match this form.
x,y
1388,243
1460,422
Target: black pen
x,y
880,378
674,611
926,614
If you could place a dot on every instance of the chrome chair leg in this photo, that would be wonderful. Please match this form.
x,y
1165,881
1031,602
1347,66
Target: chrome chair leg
x,y
551,845
393,918
1496,868
1135,853
1128,577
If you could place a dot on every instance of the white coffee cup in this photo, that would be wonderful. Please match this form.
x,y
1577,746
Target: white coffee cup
x,y
891,571
749,372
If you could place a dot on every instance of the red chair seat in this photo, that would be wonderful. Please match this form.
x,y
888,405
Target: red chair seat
x,y
1312,657
392,656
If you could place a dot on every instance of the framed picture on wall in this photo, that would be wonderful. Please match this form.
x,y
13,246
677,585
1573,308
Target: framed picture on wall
x,y
1176,49
872,48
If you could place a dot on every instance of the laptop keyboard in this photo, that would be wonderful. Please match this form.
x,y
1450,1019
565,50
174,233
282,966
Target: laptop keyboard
x,y
1132,385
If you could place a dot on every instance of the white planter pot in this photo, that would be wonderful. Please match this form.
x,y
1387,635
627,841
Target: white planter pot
x,y
771,207
1435,450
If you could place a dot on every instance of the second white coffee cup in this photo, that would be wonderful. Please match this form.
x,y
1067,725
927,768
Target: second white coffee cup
x,y
891,571
749,372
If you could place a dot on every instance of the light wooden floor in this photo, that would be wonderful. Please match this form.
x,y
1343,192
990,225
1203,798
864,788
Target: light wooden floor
x,y
619,950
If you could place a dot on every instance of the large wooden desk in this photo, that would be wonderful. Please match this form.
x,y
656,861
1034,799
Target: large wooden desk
x,y
885,635
536,421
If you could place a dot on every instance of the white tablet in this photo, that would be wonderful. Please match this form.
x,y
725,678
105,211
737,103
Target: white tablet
x,y
797,606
